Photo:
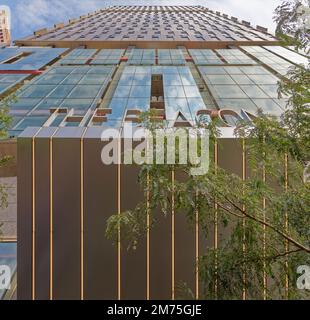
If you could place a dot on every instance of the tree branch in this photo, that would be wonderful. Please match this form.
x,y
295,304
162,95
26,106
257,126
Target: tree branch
x,y
265,223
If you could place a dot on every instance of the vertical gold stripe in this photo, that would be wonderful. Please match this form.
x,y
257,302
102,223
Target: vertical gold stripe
x,y
172,237
33,220
82,215
33,289
264,242
197,252
286,229
119,228
148,240
216,224
51,217
244,222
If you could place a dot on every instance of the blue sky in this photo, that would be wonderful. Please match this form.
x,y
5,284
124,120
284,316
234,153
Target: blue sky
x,y
30,15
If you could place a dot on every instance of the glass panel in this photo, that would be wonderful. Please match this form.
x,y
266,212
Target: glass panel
x,y
192,91
174,92
59,119
238,104
268,106
85,91
37,91
263,79
271,90
140,92
31,122
142,79
227,91
51,79
219,79
77,104
61,91
46,104
254,92
122,91
241,79
93,79
172,80
24,104
138,103
73,79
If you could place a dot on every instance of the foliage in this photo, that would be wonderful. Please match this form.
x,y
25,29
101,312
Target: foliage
x,y
265,217
293,23
271,250
5,123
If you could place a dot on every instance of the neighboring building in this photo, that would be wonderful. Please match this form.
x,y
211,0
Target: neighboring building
x,y
101,71
5,36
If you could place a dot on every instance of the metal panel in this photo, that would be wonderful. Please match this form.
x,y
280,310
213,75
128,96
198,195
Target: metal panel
x,y
42,214
100,202
66,218
24,220
133,262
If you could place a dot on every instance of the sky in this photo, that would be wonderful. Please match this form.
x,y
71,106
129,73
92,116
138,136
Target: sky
x,y
30,15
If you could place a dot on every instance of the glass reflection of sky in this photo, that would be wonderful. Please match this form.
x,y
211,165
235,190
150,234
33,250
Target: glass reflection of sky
x,y
181,94
246,88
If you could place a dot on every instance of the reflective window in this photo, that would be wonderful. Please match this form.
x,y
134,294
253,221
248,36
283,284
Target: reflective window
x,y
93,79
31,122
122,91
235,56
223,91
142,57
219,79
253,91
50,79
139,103
84,91
278,64
36,91
245,88
8,81
24,104
78,57
205,56
180,92
288,54
77,88
61,91
46,104
28,58
174,92
171,57
108,57
140,92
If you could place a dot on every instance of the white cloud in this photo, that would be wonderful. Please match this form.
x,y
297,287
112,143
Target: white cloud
x,y
258,12
33,13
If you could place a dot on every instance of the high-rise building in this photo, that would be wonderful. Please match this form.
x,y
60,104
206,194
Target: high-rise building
x,y
143,26
101,71
5,36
